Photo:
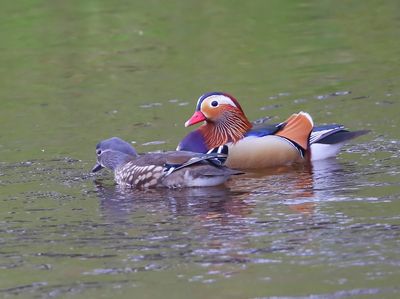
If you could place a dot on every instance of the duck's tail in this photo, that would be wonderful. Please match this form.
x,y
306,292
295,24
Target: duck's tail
x,y
326,141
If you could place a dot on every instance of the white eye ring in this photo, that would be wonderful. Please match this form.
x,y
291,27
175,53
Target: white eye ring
x,y
214,103
98,152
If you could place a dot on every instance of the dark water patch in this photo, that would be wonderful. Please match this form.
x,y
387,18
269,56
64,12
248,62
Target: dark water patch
x,y
132,68
74,255
125,270
279,95
361,98
66,170
342,294
46,194
139,49
221,259
22,288
46,290
270,107
142,124
6,266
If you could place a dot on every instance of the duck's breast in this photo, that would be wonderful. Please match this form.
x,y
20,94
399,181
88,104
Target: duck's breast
x,y
262,152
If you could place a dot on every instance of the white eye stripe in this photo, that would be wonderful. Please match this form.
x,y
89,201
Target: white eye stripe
x,y
220,99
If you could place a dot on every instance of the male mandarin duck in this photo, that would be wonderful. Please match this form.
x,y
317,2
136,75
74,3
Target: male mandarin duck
x,y
256,147
168,169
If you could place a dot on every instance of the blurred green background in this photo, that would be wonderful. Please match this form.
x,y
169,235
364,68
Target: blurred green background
x,y
74,72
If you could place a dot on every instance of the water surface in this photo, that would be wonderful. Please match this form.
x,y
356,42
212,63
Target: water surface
x,y
76,72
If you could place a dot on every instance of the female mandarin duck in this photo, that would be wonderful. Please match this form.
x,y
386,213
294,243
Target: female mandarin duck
x,y
168,169
294,140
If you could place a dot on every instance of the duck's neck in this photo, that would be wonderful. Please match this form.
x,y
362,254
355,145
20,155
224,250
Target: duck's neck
x,y
115,160
229,128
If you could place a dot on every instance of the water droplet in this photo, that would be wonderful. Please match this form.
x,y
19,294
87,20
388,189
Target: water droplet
x,y
150,105
321,97
341,93
298,101
155,142
270,107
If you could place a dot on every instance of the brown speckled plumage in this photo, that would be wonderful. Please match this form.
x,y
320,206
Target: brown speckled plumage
x,y
139,176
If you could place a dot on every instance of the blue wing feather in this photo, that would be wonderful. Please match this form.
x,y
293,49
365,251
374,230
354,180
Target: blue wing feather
x,y
193,142
263,131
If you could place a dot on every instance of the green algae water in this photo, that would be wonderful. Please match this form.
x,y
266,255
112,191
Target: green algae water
x,y
75,72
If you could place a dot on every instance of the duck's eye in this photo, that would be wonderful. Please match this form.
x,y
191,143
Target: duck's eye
x,y
98,152
214,103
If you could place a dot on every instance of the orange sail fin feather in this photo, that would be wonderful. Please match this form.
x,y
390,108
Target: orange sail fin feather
x,y
298,128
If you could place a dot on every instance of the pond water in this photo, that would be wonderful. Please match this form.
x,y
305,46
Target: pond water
x,y
75,72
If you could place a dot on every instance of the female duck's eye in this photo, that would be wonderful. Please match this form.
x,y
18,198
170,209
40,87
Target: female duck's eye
x,y
214,103
98,152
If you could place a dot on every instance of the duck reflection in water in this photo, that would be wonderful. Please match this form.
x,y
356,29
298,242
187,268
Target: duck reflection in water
x,y
220,202
213,226
298,186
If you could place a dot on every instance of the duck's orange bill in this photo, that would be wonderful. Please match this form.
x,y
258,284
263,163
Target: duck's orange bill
x,y
197,117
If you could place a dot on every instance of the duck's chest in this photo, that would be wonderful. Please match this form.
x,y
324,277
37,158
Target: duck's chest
x,y
262,152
